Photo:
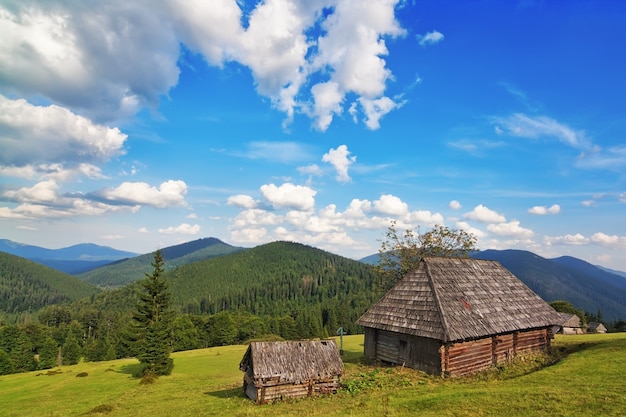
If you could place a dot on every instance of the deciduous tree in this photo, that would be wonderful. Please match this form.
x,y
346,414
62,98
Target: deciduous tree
x,y
400,252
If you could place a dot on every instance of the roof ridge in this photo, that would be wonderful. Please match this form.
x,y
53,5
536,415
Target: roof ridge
x,y
446,335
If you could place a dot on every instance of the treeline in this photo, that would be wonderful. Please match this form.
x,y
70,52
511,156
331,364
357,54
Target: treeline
x,y
64,335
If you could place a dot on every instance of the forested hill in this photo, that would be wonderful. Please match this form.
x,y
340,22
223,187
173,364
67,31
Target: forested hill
x,y
126,271
26,286
585,286
279,278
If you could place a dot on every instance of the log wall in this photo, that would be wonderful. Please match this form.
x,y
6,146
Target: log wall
x,y
270,390
459,358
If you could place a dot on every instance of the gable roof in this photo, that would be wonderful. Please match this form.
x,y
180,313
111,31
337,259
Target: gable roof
x,y
569,320
292,361
453,299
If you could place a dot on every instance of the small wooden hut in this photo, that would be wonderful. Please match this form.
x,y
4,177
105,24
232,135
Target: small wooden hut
x,y
278,370
453,316
596,327
570,324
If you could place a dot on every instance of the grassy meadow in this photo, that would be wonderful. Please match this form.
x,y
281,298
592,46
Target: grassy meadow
x,y
589,380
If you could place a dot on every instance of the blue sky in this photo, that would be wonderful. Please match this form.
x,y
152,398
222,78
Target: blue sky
x,y
140,125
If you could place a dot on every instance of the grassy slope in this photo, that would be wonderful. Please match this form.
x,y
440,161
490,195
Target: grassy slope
x,y
208,383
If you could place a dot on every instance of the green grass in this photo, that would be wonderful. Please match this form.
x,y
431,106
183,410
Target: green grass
x,y
588,381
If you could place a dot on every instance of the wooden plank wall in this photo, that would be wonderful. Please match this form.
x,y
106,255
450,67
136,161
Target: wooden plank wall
x,y
275,391
477,355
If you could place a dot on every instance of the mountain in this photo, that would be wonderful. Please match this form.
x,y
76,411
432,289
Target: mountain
x,y
71,260
613,271
580,283
125,271
26,286
276,279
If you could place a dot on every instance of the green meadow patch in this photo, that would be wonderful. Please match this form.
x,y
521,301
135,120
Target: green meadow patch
x,y
588,379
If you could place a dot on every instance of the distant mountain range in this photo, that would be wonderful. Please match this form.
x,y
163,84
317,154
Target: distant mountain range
x,y
584,285
71,260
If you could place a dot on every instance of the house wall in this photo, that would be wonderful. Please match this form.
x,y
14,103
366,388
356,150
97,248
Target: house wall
x,y
452,359
401,349
273,390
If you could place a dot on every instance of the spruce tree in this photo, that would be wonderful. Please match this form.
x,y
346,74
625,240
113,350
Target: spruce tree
x,y
153,321
71,351
48,354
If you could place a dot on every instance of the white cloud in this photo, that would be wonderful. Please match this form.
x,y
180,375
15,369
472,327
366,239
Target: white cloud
x,y
108,64
524,126
46,138
392,205
511,229
469,229
339,159
569,239
327,100
183,229
612,158
243,201
170,193
542,210
485,215
111,62
608,240
455,205
312,169
376,109
289,196
42,192
430,38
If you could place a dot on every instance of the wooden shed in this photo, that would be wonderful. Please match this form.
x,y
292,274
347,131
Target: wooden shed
x,y
570,324
453,316
596,327
290,369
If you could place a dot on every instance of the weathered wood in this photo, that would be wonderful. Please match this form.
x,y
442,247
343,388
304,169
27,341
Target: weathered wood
x,y
455,316
278,370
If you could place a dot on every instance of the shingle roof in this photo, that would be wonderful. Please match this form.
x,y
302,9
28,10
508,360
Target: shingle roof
x,y
453,299
293,361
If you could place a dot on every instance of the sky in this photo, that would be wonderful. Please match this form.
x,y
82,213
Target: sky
x,y
140,125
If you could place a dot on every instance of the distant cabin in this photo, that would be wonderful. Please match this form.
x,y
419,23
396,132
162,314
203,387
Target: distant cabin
x,y
595,327
290,369
570,324
453,316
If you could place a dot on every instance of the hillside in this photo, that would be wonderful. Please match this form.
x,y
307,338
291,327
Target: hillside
x,y
582,284
26,286
123,272
276,279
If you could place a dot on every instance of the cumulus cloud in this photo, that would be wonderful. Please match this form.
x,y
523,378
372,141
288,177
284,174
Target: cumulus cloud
x,y
242,200
543,210
47,140
107,64
183,229
289,196
340,160
430,38
469,229
569,239
510,229
455,205
111,64
170,193
485,215
608,240
391,205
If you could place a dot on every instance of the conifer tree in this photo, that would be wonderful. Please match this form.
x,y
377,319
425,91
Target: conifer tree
x,y
153,320
48,354
22,356
6,365
71,351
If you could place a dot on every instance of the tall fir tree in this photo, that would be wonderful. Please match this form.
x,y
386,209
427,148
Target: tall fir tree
x,y
153,321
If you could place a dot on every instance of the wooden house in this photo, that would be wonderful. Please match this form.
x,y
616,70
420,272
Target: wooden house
x,y
570,324
290,369
595,327
453,316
